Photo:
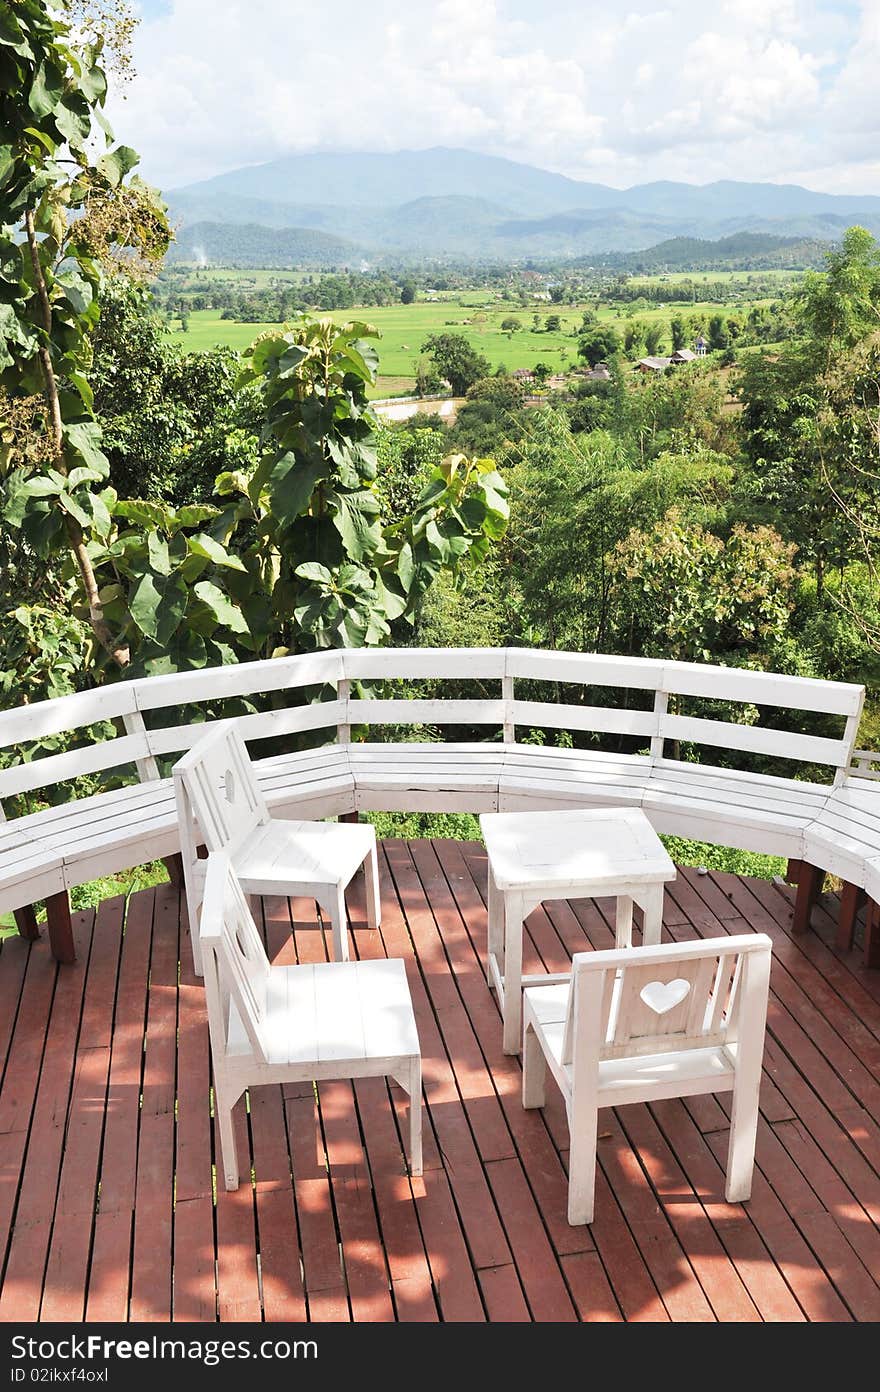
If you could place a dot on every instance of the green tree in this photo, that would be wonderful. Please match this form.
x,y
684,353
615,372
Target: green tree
x,y
552,323
598,343
313,494
634,338
718,334
457,360
573,498
811,419
679,332
654,339
686,593
407,292
64,220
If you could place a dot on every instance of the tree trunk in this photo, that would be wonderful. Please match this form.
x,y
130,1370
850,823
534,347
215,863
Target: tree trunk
x,y
101,629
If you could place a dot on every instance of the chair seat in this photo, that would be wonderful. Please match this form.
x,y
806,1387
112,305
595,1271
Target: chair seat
x,y
286,852
673,1074
334,1014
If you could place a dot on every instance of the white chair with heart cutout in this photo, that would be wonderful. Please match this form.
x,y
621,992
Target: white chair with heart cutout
x,y
274,1024
220,803
638,1024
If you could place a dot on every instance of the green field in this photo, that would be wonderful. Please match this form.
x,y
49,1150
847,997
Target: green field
x,y
404,328
737,278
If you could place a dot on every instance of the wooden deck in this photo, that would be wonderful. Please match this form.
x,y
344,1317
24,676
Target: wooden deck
x,y
107,1209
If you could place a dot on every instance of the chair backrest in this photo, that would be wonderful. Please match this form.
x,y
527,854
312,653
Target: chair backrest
x,y
656,1000
235,963
222,790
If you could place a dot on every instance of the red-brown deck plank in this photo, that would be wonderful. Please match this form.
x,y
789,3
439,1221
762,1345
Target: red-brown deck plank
x,y
152,1262
22,1290
107,1202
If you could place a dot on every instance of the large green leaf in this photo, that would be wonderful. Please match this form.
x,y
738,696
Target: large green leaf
x,y
157,603
291,485
46,90
83,441
117,163
93,85
221,607
211,550
356,521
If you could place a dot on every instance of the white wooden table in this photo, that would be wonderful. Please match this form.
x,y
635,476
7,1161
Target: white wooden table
x,y
538,856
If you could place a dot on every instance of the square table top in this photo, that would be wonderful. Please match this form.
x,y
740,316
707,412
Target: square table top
x,y
601,848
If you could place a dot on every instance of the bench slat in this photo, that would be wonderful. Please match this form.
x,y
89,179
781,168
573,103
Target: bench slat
x,y
754,739
761,688
420,712
57,768
607,719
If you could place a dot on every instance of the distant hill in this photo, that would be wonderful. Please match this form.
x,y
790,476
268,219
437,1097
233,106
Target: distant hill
x,y
458,204
744,251
247,244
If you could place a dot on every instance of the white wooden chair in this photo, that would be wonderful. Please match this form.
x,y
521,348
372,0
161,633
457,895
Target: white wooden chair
x,y
219,802
271,1024
644,1023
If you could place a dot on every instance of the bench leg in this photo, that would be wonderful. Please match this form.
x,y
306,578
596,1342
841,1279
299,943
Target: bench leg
x,y
174,865
26,923
793,871
850,902
349,817
809,883
872,935
60,927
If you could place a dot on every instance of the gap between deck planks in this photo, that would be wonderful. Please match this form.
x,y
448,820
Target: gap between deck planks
x,y
107,1205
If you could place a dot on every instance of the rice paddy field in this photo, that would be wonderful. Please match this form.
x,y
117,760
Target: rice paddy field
x,y
403,328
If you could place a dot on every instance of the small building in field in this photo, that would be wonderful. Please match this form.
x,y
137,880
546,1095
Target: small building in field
x,y
651,364
701,347
600,373
683,355
523,374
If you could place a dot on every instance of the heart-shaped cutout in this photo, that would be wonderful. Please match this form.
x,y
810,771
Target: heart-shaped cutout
x,y
661,996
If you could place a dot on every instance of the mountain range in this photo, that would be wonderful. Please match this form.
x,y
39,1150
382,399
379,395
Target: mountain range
x,y
341,209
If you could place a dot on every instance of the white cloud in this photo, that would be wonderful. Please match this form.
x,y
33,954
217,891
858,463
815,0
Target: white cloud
x,y
759,89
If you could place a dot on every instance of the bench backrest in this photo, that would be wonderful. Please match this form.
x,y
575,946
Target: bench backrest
x,y
147,711
235,964
675,997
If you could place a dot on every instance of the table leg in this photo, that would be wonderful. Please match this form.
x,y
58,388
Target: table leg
x,y
652,907
623,929
514,907
495,916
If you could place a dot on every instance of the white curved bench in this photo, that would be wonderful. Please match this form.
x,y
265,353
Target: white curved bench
x,y
832,824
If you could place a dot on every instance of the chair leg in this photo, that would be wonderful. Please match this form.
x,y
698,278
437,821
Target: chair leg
x,y
339,922
743,1133
228,1155
584,1130
415,1117
623,923
534,1066
495,928
371,884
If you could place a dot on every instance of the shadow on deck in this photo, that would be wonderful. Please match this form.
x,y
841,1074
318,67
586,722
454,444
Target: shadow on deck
x,y
107,1203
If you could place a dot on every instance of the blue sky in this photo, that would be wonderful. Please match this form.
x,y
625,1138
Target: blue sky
x,y
622,93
